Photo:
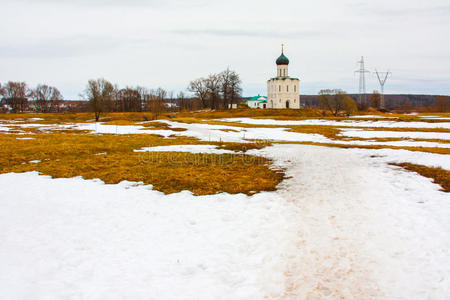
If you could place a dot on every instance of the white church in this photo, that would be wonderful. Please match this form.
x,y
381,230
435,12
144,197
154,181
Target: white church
x,y
282,91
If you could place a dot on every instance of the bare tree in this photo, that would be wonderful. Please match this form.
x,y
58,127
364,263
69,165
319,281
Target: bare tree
x,y
199,88
46,98
235,92
128,99
183,102
375,100
336,101
230,87
16,95
213,86
442,104
100,94
2,94
156,103
144,95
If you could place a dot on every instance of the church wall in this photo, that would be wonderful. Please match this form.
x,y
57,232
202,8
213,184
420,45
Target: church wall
x,y
284,90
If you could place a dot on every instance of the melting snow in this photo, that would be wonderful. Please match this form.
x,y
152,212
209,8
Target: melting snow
x,y
354,123
344,225
395,134
186,148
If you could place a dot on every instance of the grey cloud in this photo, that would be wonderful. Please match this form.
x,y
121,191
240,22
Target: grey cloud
x,y
59,47
252,33
121,3
408,12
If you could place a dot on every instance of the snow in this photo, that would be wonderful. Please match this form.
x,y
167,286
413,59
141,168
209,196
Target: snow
x,y
344,224
4,128
71,238
216,133
414,157
395,134
206,132
353,123
435,117
186,148
120,129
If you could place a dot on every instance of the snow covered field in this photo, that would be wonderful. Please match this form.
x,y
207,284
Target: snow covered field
x,y
395,134
221,133
344,224
353,123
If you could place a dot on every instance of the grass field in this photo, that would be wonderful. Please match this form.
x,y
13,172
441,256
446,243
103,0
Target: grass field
x,y
71,152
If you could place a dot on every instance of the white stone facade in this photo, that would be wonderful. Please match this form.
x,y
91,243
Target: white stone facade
x,y
283,91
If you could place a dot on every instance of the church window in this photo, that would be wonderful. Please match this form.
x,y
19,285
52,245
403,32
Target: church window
x,y
279,88
287,88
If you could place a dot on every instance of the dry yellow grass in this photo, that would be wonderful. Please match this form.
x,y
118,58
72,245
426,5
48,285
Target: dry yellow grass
x,y
112,159
243,147
327,131
439,175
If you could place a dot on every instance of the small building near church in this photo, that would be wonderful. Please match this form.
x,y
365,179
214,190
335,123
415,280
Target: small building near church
x,y
283,91
257,102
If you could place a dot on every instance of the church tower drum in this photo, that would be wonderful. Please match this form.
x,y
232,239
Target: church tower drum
x,y
283,91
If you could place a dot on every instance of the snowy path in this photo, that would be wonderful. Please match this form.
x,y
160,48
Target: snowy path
x,y
344,225
367,231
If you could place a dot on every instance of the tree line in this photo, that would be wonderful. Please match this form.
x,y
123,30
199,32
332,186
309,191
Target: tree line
x,y
217,91
17,95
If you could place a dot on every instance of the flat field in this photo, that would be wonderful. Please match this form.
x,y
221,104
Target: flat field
x,y
242,204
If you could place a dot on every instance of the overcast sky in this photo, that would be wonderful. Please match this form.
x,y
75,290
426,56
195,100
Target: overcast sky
x,y
167,43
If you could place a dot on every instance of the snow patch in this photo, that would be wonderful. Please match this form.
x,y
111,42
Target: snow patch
x,y
186,148
395,134
354,123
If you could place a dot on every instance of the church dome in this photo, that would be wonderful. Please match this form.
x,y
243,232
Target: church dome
x,y
282,60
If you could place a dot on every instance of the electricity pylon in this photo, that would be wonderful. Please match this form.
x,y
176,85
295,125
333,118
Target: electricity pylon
x,y
382,77
362,81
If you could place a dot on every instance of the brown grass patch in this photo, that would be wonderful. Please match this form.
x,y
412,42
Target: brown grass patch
x,y
229,130
156,125
439,175
160,126
243,147
69,155
327,131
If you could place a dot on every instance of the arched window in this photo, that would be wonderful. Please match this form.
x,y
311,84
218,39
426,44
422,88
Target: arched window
x,y
279,88
295,88
287,88
287,104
